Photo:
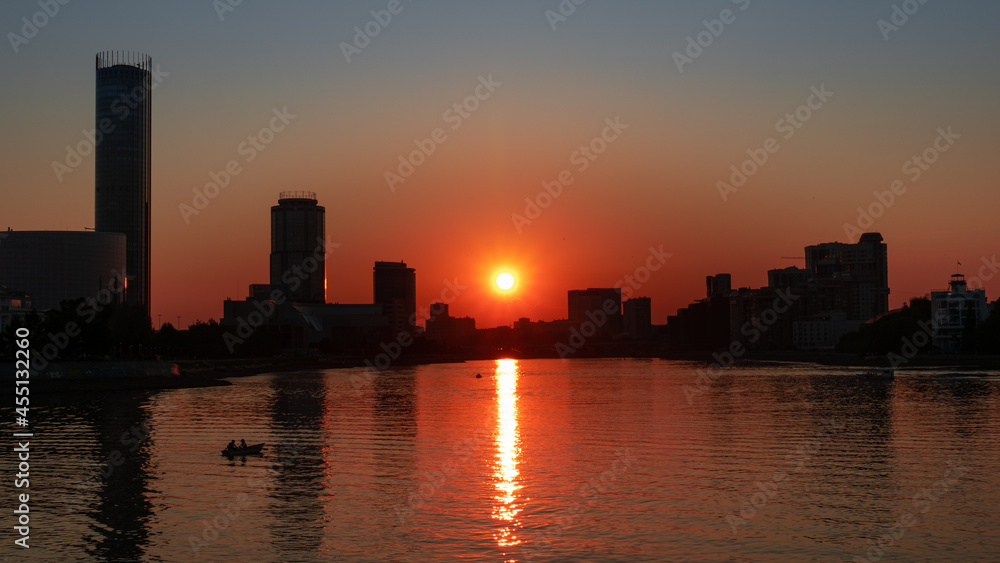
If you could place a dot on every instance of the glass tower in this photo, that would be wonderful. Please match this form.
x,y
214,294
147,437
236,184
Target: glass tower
x,y
122,161
298,247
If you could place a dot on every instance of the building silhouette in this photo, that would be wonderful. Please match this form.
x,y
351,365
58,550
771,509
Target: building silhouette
x,y
291,314
811,308
395,289
956,313
53,266
592,304
861,270
13,305
298,247
122,162
637,314
704,324
448,330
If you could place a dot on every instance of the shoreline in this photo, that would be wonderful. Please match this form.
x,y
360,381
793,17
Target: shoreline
x,y
214,373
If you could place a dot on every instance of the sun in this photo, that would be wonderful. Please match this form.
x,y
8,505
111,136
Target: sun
x,y
505,281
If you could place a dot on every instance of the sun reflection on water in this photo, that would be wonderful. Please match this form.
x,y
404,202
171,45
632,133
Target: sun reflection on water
x,y
508,446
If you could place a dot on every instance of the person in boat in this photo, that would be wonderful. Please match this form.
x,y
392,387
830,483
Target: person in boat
x,y
232,445
243,444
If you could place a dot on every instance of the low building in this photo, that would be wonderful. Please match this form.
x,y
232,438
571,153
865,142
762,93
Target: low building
x,y
441,327
13,305
54,266
287,325
956,312
823,331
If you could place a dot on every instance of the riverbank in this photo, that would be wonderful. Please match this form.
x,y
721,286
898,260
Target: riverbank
x,y
100,376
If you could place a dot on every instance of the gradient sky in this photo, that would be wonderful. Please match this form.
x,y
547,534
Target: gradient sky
x,y
654,186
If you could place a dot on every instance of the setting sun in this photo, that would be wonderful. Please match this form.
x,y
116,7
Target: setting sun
x,y
505,281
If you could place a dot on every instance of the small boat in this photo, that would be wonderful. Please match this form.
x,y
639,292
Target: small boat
x,y
877,374
479,376
249,450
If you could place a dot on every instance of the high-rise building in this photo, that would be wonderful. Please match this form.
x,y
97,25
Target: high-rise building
x,y
862,270
298,247
719,284
395,288
704,324
122,162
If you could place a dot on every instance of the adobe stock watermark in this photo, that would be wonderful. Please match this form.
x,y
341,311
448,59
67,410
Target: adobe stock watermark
x,y
753,330
454,116
434,481
562,13
914,168
985,273
912,345
697,43
578,335
133,439
899,16
392,350
588,496
248,148
922,502
365,34
293,277
229,513
121,108
654,261
87,312
31,25
223,7
786,127
583,157
768,489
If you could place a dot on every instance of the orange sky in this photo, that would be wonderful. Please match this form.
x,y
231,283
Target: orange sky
x,y
655,185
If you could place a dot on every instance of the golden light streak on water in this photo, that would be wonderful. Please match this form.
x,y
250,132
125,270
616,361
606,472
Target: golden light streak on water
x,y
508,447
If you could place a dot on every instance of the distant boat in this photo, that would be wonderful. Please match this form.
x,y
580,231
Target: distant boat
x,y
478,375
249,450
878,374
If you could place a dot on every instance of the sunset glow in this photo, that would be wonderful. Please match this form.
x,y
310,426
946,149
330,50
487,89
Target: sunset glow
x,y
511,281
508,180
505,281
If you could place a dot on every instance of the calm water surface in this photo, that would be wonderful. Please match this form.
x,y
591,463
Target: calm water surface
x,y
537,460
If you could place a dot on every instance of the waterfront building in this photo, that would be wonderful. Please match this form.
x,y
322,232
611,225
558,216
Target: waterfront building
x,y
122,161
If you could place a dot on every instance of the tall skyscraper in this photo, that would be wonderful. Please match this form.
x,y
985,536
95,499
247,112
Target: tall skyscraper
x,y
395,288
298,247
122,162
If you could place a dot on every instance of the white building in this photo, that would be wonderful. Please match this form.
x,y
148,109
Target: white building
x,y
956,310
822,332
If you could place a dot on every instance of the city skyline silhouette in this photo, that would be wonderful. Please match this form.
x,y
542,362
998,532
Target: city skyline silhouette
x,y
729,151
